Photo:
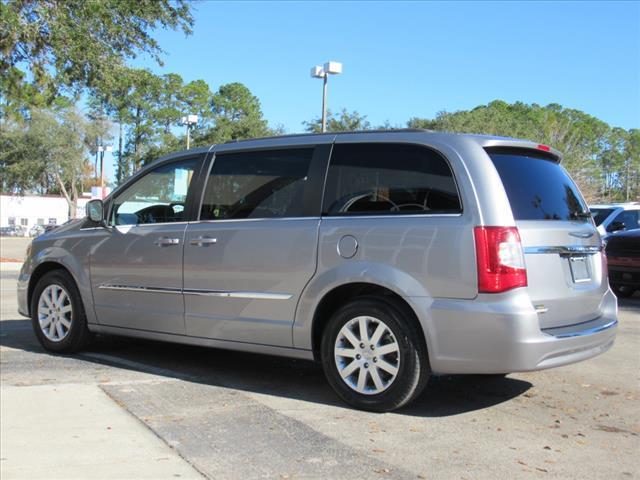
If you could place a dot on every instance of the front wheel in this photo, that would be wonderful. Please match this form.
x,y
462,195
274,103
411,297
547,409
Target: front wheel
x,y
374,355
57,314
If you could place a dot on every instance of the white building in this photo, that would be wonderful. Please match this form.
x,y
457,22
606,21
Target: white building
x,y
30,210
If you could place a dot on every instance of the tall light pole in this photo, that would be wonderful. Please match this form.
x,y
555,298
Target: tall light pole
x,y
323,72
189,121
101,150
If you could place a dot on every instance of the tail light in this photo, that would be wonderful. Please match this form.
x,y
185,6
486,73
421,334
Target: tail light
x,y
500,259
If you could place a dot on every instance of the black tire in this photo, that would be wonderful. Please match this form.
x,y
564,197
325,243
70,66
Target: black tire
x,y
78,335
622,291
413,369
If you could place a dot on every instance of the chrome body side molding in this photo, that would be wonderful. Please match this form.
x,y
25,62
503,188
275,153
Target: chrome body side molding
x,y
134,288
206,293
254,295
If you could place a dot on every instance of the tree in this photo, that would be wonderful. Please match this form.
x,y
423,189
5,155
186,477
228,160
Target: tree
x,y
46,154
236,115
595,154
344,122
49,45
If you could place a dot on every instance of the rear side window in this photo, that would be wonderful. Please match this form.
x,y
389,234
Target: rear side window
x,y
264,184
538,188
388,179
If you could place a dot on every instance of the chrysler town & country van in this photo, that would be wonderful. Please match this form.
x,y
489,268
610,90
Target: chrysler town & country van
x,y
387,256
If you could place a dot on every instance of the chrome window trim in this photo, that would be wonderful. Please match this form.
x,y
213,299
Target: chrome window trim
x,y
200,292
564,250
410,215
263,219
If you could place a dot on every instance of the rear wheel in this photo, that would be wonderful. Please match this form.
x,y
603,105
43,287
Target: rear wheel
x,y
57,314
374,356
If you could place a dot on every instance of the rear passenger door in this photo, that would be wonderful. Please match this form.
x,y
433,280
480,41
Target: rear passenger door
x,y
395,208
254,247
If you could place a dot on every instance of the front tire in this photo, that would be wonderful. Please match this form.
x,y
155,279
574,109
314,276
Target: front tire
x,y
374,355
57,314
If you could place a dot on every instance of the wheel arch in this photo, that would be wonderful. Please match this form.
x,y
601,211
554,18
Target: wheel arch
x,y
40,271
338,296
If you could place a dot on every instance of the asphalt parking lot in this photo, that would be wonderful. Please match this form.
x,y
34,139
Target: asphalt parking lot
x,y
141,409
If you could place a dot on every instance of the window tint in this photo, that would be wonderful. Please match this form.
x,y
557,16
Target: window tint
x,y
158,197
538,188
627,217
388,179
264,184
600,214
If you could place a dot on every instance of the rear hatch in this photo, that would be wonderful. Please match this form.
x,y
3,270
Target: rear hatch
x,y
566,281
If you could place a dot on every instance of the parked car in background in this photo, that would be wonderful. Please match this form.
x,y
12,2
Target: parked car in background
x,y
13,231
623,259
386,256
615,217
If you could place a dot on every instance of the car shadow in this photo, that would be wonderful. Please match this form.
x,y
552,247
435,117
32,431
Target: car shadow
x,y
295,379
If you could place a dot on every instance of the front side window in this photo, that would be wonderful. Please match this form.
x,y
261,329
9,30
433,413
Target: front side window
x,y
158,197
264,184
389,179
628,218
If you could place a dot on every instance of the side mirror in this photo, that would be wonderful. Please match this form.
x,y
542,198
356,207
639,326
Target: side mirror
x,y
616,227
95,211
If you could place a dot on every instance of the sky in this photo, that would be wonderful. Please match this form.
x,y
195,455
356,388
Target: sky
x,y
415,59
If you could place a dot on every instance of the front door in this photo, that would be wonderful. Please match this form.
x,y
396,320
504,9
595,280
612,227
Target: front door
x,y
136,269
254,249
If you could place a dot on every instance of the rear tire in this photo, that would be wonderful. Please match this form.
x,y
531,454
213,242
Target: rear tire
x,y
57,314
382,378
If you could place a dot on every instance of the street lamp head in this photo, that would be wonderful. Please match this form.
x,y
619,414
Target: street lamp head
x,y
333,68
108,148
317,72
189,120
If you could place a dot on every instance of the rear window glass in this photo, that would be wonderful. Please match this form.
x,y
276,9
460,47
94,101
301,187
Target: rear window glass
x,y
538,188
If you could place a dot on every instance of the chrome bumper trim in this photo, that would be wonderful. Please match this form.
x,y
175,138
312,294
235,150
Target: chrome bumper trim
x,y
561,332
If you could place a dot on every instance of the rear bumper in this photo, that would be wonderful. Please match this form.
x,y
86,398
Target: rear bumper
x,y
501,334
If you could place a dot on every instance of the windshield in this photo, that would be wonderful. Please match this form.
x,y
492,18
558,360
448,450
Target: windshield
x,y
538,188
600,214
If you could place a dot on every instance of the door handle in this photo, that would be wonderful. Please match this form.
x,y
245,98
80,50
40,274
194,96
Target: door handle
x,y
203,241
166,241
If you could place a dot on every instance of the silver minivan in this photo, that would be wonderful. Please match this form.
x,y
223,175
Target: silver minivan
x,y
388,256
